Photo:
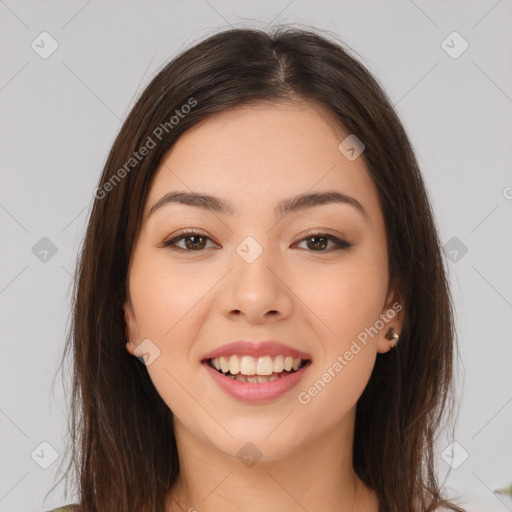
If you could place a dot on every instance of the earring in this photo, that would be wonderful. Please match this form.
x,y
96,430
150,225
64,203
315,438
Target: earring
x,y
130,341
392,335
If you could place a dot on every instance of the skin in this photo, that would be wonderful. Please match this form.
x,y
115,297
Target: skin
x,y
188,303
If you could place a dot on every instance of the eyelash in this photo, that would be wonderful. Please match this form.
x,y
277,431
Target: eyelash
x,y
171,243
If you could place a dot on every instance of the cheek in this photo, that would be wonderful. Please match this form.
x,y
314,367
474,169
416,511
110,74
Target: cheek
x,y
166,296
345,298
334,389
169,307
347,304
166,300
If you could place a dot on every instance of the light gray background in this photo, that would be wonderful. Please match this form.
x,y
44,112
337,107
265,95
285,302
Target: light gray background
x,y
60,116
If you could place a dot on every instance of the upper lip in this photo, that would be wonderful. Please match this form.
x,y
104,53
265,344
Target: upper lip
x,y
256,349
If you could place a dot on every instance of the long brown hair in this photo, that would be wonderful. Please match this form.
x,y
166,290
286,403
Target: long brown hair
x,y
123,450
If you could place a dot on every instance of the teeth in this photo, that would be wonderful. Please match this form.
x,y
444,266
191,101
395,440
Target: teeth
x,y
248,365
243,378
224,364
265,366
262,366
234,364
278,364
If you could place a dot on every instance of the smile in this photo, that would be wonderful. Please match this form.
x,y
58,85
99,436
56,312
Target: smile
x,y
254,380
256,369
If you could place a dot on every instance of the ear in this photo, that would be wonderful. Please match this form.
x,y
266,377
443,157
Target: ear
x,y
131,328
392,315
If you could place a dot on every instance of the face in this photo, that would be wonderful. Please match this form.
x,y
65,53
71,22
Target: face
x,y
312,276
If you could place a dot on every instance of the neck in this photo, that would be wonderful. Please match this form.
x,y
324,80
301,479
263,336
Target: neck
x,y
315,477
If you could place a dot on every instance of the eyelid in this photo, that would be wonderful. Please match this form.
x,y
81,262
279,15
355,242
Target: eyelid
x,y
179,235
340,243
319,232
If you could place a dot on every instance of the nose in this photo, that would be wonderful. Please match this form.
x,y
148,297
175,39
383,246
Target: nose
x,y
257,289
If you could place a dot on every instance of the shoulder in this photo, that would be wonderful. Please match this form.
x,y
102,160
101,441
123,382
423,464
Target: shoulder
x,y
66,508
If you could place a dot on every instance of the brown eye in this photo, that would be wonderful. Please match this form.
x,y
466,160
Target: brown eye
x,y
194,242
317,242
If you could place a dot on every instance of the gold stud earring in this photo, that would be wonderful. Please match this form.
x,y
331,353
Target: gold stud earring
x,y
392,335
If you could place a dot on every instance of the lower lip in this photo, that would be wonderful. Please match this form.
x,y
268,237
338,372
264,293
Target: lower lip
x,y
257,392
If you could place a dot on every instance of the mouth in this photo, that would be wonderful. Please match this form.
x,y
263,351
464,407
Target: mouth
x,y
256,370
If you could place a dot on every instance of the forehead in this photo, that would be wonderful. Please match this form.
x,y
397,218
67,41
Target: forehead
x,y
255,156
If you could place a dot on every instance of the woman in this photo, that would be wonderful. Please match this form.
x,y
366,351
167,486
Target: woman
x,y
262,319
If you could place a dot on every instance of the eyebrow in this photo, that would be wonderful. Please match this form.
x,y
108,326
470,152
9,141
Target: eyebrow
x,y
292,204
